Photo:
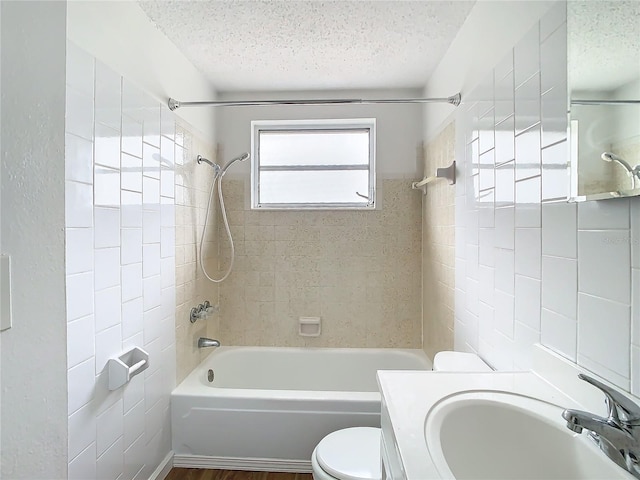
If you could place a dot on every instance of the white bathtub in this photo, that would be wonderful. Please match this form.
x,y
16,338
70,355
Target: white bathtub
x,y
267,408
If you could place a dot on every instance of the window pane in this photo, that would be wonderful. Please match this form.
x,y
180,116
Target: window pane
x,y
329,186
329,147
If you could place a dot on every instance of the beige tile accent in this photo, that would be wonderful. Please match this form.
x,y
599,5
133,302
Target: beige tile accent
x,y
193,183
359,271
438,241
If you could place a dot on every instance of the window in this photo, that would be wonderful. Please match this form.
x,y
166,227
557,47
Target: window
x,y
313,164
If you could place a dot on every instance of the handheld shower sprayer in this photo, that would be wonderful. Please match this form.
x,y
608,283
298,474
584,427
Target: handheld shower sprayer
x,y
612,157
239,158
220,171
217,178
632,172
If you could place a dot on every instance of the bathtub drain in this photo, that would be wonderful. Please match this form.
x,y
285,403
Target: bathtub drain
x,y
210,375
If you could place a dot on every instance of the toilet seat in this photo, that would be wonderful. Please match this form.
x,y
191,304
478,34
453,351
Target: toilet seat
x,y
354,453
351,454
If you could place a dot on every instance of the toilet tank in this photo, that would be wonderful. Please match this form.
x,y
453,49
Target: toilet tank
x,y
459,362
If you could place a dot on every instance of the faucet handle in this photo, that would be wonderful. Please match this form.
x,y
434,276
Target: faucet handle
x,y
620,408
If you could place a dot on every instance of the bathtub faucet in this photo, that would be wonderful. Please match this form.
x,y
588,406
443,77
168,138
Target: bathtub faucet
x,y
207,342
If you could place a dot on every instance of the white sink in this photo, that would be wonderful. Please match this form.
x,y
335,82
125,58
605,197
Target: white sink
x,y
495,435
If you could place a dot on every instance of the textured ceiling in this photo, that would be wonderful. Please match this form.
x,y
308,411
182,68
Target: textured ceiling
x,y
311,45
604,44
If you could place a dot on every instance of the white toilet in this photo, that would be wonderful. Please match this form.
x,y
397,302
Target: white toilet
x,y
354,453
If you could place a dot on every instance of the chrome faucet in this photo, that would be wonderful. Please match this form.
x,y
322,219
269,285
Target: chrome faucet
x,y
207,342
617,435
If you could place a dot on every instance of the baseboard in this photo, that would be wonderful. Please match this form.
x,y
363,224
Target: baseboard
x,y
162,470
250,464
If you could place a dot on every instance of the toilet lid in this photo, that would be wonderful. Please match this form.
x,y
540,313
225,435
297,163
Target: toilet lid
x,y
351,454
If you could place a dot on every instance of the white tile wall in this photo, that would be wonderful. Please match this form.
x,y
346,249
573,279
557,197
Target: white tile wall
x,y
564,275
83,466
635,238
114,260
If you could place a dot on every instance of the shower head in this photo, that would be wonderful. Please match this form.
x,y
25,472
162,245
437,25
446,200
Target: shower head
x,y
220,171
239,158
612,157
201,159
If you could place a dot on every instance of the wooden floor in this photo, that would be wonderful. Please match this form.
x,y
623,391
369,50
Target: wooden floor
x,y
202,474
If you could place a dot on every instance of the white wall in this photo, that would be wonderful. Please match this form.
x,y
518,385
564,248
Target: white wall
x,y
489,31
34,397
529,266
398,127
120,231
121,35
0,231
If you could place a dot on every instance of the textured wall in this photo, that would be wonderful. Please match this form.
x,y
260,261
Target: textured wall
x,y
121,147
438,243
0,234
357,270
34,393
529,266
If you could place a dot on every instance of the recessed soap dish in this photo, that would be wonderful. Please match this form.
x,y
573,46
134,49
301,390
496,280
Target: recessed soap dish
x,y
309,326
127,365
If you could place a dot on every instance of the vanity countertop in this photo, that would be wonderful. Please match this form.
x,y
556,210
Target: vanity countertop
x,y
408,397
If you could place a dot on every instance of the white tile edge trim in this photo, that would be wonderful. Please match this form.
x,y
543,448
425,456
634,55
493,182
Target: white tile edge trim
x,y
163,469
249,464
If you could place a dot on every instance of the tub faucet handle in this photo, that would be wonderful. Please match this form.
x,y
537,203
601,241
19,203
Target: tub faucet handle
x,y
203,311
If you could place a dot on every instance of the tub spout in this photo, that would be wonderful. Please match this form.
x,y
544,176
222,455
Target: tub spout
x,y
207,342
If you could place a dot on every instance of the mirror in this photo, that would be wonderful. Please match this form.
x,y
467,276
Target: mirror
x,y
603,74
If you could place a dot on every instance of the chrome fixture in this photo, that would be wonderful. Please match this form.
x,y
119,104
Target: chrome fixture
x,y
207,342
175,104
633,172
215,166
240,158
618,435
218,173
202,311
604,102
218,170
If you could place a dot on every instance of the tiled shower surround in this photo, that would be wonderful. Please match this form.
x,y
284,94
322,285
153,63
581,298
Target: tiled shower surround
x,y
193,183
531,267
128,168
357,270
438,245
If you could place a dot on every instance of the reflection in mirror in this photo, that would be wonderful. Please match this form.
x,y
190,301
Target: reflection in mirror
x,y
604,93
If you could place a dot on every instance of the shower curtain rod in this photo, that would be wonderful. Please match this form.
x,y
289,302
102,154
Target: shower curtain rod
x,y
175,104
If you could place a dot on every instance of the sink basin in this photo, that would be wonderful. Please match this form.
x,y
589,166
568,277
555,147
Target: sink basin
x,y
495,435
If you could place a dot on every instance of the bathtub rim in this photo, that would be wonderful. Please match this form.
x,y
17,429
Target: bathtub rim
x,y
193,384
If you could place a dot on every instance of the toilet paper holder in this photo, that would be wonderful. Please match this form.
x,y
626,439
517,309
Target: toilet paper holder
x,y
126,366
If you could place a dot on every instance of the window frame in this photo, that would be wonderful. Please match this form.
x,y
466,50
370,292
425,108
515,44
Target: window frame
x,y
318,125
